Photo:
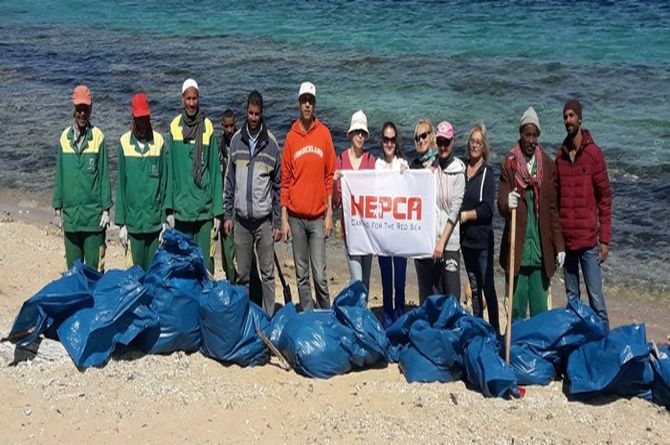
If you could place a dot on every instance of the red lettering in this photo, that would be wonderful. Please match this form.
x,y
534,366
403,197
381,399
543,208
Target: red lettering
x,y
376,207
370,206
386,205
414,208
397,212
356,207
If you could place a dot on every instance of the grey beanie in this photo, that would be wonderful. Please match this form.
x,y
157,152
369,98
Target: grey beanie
x,y
530,117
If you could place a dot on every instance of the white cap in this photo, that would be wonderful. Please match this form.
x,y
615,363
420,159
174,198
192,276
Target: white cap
x,y
530,117
307,88
189,83
359,121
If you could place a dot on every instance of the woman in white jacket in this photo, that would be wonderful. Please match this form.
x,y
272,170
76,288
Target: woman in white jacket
x,y
450,172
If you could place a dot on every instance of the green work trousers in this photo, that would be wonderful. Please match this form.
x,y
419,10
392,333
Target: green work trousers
x,y
201,233
88,247
228,257
531,288
141,249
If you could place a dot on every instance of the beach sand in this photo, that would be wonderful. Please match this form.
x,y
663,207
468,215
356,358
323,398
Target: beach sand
x,y
187,397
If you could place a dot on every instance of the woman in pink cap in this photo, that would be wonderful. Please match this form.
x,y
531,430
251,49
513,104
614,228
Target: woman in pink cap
x,y
450,172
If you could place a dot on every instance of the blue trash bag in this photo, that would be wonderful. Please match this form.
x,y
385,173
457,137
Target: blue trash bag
x,y
661,386
120,312
316,344
351,309
324,343
174,282
279,321
430,311
430,341
529,366
486,371
431,355
46,310
616,365
550,337
228,323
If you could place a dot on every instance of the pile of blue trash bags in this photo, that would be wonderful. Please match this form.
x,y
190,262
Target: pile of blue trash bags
x,y
176,306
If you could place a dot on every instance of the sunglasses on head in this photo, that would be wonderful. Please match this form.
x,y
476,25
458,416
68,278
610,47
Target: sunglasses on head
x,y
421,136
443,142
389,140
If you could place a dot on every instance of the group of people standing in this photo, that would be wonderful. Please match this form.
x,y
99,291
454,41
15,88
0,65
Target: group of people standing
x,y
562,205
250,192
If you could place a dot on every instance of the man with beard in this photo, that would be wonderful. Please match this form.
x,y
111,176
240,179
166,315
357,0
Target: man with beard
x,y
252,187
308,165
82,192
585,206
194,195
527,184
140,186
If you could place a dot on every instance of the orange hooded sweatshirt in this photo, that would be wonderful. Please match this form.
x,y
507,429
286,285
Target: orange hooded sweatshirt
x,y
307,168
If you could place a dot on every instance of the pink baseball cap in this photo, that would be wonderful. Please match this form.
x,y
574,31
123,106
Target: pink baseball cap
x,y
444,130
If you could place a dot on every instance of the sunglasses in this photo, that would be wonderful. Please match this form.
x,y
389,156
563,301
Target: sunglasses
x,y
387,141
307,98
443,142
422,136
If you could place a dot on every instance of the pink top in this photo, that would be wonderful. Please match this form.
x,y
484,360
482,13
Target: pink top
x,y
343,162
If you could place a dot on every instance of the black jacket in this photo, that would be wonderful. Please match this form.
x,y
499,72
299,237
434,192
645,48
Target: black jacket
x,y
480,195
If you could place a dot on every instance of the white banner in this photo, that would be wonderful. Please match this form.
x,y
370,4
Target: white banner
x,y
389,213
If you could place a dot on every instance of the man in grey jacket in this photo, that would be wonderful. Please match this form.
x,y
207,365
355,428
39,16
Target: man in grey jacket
x,y
252,185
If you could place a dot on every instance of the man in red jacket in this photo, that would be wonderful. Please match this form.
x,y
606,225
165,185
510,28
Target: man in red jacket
x,y
585,205
307,168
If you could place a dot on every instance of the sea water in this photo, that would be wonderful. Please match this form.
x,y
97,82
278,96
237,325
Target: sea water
x,y
397,60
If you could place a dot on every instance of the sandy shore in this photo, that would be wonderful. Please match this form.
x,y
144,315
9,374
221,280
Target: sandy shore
x,y
179,398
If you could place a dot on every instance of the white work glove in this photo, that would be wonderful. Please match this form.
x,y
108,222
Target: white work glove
x,y
160,235
170,220
513,199
104,219
560,259
58,218
123,236
217,225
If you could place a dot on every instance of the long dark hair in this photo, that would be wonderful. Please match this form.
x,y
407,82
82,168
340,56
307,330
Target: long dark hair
x,y
397,152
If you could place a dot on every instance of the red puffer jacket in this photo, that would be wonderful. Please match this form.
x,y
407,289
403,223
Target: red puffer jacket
x,y
585,196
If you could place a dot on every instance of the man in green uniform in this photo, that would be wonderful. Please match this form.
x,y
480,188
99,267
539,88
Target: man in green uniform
x,y
228,127
528,184
140,186
194,195
82,193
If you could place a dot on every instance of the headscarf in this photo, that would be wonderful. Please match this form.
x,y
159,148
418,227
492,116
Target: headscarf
x,y
193,130
523,178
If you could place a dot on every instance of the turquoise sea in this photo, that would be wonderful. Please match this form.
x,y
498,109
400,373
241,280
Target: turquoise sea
x,y
400,60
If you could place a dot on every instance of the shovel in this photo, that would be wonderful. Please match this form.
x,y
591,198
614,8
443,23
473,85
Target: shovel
x,y
285,287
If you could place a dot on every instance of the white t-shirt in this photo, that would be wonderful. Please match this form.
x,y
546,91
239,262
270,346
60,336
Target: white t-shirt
x,y
381,164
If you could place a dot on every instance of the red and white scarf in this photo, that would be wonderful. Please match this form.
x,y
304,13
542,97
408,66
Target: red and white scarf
x,y
523,178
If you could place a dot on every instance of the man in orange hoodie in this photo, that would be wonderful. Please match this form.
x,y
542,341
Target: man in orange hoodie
x,y
308,165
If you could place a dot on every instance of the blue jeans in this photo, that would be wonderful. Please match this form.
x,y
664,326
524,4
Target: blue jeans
x,y
309,252
394,270
588,259
359,268
479,267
